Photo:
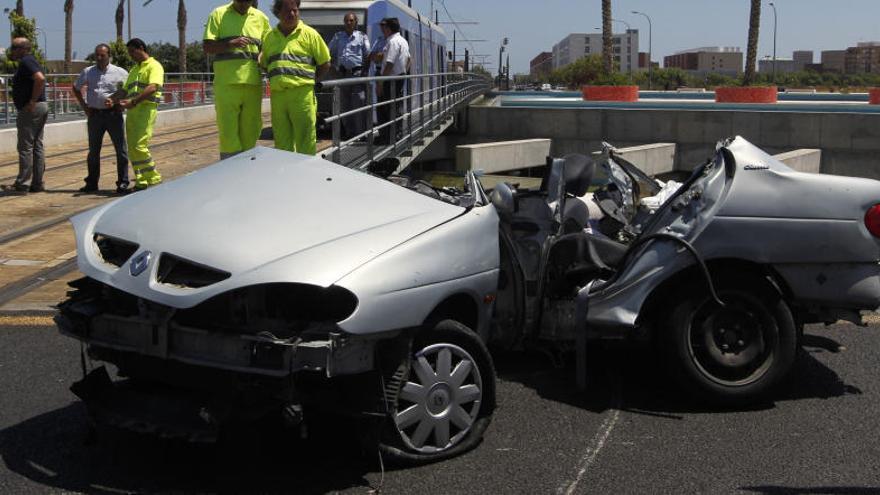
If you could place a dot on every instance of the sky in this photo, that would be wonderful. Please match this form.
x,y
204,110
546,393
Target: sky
x,y
532,27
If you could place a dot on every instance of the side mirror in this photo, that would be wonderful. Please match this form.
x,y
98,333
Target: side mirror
x,y
503,201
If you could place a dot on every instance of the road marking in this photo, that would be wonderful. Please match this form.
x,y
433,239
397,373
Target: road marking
x,y
595,446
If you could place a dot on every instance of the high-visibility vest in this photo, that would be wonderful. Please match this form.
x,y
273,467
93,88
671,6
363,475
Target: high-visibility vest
x,y
291,60
150,71
239,65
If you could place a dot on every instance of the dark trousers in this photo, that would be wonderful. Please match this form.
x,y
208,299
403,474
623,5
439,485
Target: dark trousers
x,y
109,121
384,113
31,157
353,97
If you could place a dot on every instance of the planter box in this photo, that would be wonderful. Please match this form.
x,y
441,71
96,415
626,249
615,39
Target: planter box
x,y
746,94
874,96
611,93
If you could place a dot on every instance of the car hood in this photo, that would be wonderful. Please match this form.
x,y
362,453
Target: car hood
x,y
262,216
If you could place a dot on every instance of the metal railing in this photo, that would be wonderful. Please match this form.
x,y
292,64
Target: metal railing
x,y
421,110
179,90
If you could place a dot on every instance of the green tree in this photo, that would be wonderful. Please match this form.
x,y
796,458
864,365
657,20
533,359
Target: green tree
x,y
752,47
22,27
119,55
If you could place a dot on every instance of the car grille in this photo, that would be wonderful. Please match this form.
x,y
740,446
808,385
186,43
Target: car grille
x,y
174,270
114,251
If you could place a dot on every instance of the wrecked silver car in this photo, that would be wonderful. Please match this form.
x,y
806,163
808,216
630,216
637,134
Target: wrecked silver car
x,y
278,285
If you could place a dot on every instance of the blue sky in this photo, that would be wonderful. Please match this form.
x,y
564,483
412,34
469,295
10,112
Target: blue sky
x,y
531,26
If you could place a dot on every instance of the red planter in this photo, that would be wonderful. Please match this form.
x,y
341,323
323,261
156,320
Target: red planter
x,y
746,94
874,96
610,93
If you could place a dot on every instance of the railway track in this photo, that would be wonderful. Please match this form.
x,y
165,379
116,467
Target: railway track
x,y
157,145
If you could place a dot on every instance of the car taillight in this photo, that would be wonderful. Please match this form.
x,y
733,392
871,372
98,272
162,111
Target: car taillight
x,y
872,220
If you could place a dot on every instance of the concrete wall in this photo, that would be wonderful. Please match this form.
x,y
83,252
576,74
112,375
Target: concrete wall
x,y
502,156
850,143
803,160
59,133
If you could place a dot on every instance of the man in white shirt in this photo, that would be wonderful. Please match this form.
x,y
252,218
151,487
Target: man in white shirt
x,y
102,80
395,60
350,52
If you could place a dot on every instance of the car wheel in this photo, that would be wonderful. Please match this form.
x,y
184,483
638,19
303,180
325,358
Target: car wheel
x,y
733,354
446,397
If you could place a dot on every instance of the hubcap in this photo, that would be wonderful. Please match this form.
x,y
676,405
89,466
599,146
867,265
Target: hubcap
x,y
733,345
439,403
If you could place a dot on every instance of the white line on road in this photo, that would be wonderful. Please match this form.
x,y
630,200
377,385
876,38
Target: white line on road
x,y
595,446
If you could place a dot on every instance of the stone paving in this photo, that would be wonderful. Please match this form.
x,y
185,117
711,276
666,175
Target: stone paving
x,y
48,239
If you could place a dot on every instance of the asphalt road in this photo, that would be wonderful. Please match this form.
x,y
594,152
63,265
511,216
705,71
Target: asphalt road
x,y
630,433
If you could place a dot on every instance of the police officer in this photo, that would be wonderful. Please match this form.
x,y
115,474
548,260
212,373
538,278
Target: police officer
x,y
234,35
295,57
143,92
350,52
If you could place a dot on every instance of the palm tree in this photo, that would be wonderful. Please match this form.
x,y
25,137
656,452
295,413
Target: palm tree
x,y
120,19
181,34
19,7
752,50
607,46
68,34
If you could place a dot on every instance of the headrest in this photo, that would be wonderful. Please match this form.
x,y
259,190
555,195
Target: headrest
x,y
579,171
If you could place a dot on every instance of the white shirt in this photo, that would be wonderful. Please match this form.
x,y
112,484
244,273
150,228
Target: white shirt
x,y
101,84
396,52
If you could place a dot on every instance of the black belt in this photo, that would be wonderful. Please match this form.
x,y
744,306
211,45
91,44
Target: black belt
x,y
353,70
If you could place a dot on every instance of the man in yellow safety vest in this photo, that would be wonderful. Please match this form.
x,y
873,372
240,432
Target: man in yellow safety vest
x,y
296,57
141,95
233,35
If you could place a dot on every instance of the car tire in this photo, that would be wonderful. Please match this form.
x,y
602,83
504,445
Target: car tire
x,y
736,354
444,399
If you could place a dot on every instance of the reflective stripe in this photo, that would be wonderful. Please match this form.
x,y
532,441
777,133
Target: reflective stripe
x,y
139,171
292,58
254,41
235,56
141,162
291,71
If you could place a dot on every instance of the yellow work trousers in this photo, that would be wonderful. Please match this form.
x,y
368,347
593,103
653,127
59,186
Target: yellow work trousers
x,y
294,113
239,116
138,132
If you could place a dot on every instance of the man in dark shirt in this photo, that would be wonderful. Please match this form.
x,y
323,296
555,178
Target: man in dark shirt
x,y
29,96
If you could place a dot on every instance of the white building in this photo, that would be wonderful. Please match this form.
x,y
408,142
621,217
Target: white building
x,y
578,45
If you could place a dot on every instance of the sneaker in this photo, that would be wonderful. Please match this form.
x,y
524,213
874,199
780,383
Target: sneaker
x,y
88,189
37,189
15,188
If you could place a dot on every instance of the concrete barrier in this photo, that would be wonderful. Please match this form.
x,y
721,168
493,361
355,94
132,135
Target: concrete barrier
x,y
60,133
802,160
652,159
502,156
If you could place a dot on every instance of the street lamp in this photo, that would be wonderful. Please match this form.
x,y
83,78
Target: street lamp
x,y
6,11
774,40
650,65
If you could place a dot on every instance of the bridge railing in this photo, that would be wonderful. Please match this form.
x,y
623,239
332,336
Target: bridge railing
x,y
427,102
179,90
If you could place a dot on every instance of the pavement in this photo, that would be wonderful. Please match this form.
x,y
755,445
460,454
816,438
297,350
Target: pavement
x,y
630,432
37,250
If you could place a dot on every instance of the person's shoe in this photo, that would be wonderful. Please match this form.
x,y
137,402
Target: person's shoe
x,y
122,191
21,188
37,189
88,189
